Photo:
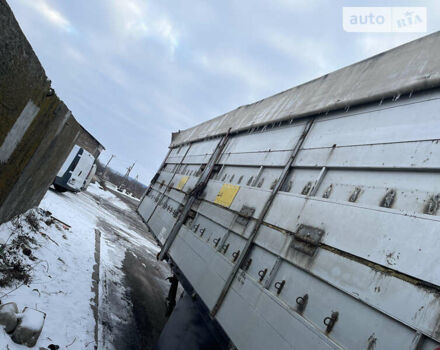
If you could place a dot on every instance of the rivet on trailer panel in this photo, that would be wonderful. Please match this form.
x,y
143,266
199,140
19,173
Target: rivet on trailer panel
x,y
388,200
327,192
235,255
225,248
279,286
302,303
306,189
354,195
432,205
330,321
250,181
202,231
262,274
216,241
372,342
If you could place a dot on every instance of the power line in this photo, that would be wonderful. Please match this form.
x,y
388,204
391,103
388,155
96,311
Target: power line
x,y
127,174
105,168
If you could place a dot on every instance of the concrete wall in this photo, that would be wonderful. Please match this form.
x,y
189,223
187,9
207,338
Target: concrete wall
x,y
89,143
37,130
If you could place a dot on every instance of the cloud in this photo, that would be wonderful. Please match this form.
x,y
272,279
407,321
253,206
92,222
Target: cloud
x,y
165,30
139,19
51,14
373,44
138,70
75,55
310,52
298,5
240,68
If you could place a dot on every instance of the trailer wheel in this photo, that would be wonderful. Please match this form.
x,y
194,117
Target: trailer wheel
x,y
58,188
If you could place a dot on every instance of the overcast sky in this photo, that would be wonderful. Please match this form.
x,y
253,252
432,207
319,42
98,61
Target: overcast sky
x,y
133,71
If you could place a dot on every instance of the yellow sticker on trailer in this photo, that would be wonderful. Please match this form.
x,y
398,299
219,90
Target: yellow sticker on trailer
x,y
182,182
226,194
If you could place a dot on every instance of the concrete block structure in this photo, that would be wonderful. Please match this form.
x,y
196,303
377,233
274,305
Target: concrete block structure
x,y
37,130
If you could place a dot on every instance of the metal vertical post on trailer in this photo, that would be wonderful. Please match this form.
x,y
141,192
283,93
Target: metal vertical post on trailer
x,y
169,182
260,219
153,180
193,195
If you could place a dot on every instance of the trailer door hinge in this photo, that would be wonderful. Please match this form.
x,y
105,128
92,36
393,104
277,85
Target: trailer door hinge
x,y
306,239
245,215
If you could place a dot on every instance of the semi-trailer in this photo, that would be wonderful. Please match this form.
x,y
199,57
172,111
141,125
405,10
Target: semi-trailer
x,y
310,219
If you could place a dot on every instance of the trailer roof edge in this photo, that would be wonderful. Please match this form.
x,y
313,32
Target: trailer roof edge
x,y
411,67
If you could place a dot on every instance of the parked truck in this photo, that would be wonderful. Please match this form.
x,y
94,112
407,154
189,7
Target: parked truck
x,y
76,172
310,219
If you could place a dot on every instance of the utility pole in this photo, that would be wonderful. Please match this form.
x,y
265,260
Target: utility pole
x,y
122,185
105,168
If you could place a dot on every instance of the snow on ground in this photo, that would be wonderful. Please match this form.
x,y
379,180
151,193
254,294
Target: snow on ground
x,y
94,189
61,275
60,281
115,188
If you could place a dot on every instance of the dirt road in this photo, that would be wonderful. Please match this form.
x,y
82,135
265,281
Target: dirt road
x,y
132,282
